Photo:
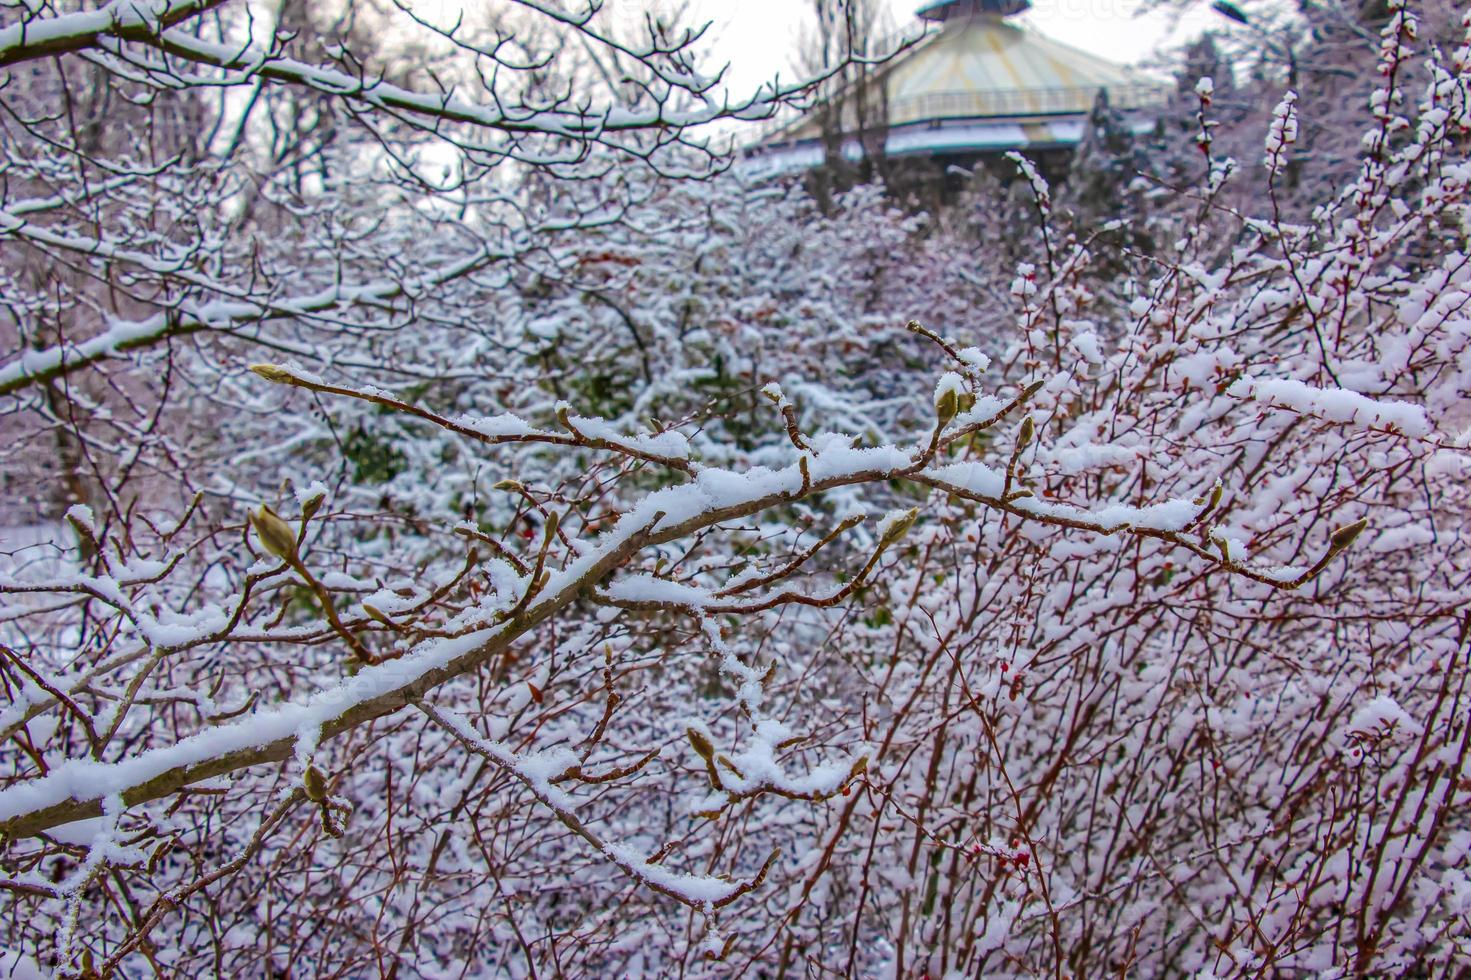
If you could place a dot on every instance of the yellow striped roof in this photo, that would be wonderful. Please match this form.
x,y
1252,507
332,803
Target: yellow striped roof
x,y
982,67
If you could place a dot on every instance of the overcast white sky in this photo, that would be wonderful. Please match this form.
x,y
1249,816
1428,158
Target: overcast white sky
x,y
758,37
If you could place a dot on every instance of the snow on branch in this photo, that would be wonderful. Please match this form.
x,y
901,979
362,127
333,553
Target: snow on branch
x,y
713,496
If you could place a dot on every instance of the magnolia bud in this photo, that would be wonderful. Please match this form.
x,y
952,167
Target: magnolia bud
x,y
311,505
1346,535
315,784
967,401
898,527
274,374
275,534
700,743
507,485
947,405
1025,432
375,613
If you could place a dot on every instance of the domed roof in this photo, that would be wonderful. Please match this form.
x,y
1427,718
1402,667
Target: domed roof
x,y
977,84
984,67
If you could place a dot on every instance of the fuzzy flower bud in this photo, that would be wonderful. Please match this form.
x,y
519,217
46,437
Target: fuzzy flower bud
x,y
946,406
1346,535
315,784
700,744
377,614
1024,433
275,534
895,525
273,373
311,505
947,397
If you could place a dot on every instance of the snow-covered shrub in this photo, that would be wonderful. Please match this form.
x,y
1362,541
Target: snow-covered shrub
x,y
601,577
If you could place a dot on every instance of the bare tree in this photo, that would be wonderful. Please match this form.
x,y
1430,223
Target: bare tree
x,y
848,41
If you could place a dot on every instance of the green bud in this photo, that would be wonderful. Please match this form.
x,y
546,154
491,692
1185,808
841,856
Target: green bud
x,y
899,527
315,784
273,373
275,534
1222,545
947,405
375,613
1024,432
310,507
